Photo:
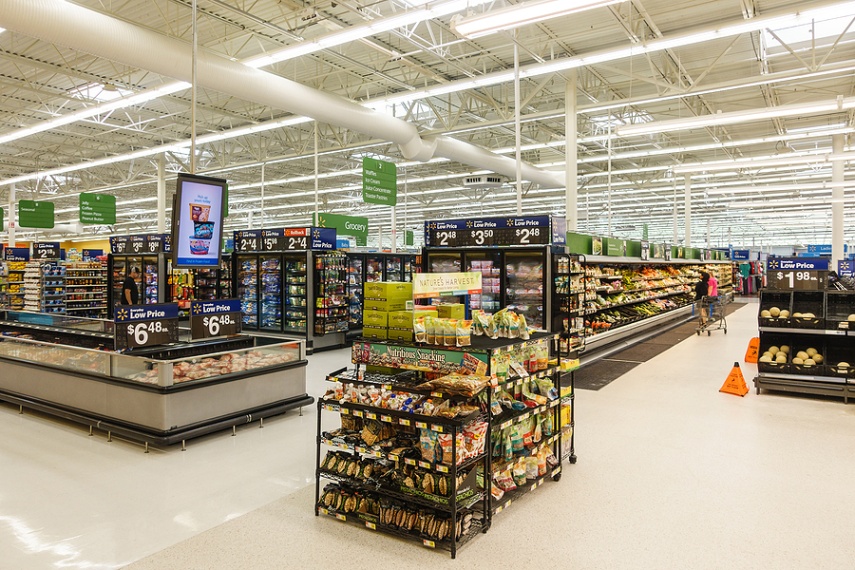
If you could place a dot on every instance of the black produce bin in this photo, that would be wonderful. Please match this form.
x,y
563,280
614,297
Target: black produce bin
x,y
838,306
801,343
840,350
770,299
808,310
768,340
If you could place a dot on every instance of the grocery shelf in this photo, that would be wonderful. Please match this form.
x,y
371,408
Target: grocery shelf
x,y
510,496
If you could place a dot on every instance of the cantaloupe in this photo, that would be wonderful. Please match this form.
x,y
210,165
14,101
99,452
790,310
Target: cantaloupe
x,y
781,359
808,316
798,360
785,349
797,315
809,362
851,318
766,358
843,365
767,353
773,350
765,314
803,355
785,314
775,311
811,352
817,358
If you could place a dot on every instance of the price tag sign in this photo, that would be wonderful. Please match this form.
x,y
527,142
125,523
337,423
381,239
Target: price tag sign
x,y
487,232
272,240
214,318
139,326
46,250
803,274
153,243
138,244
119,244
296,238
247,240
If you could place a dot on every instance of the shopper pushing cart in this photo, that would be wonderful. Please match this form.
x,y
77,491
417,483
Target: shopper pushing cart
x,y
709,305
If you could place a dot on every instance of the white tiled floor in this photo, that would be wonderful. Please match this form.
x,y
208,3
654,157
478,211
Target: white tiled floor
x,y
671,474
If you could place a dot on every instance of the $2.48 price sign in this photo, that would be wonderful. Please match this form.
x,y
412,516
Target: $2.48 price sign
x,y
215,318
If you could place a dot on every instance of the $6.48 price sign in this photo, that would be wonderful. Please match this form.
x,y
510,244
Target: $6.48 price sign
x,y
141,332
215,322
215,318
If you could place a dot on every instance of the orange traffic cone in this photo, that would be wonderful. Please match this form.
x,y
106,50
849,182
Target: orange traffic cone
x,y
735,383
753,350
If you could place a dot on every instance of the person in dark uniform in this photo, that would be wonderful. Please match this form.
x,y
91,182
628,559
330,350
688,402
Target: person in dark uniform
x,y
701,291
130,293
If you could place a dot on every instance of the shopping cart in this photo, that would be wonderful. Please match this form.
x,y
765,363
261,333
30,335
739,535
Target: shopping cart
x,y
711,315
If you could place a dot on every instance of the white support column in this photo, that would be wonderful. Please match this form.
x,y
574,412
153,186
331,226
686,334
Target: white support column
x,y
161,194
836,202
263,164
517,124
316,173
688,213
394,231
12,221
571,150
675,236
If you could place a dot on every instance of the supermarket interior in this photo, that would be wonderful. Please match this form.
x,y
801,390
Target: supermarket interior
x,y
426,283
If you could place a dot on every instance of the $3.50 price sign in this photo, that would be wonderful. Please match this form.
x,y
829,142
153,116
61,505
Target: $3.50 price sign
x,y
139,326
215,318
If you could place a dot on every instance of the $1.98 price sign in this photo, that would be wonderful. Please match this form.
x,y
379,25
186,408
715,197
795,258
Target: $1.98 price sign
x,y
139,326
801,280
215,318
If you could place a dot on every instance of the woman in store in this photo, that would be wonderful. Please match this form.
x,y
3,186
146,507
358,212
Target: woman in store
x,y
702,289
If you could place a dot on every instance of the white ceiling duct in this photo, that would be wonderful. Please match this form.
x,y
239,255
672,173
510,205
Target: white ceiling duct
x,y
67,24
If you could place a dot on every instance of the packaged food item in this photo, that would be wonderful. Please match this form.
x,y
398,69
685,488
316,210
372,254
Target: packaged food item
x,y
203,230
541,463
524,333
449,329
200,212
531,470
427,444
464,332
419,330
513,325
519,471
505,480
517,439
430,331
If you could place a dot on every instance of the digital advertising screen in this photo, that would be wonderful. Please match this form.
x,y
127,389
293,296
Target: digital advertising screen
x,y
197,221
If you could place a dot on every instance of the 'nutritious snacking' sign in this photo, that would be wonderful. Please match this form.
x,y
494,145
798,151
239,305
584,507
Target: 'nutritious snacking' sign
x,y
418,358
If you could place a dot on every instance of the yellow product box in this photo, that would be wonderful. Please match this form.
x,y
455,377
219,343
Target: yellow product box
x,y
451,311
566,391
375,333
424,311
383,305
570,364
401,320
564,418
389,290
400,334
376,319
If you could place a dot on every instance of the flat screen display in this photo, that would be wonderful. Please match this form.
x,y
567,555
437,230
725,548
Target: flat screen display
x,y
197,221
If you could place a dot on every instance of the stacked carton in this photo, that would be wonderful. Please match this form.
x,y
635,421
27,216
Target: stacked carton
x,y
384,315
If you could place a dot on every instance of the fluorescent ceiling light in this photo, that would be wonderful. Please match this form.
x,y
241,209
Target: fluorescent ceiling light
x,y
511,17
347,35
719,119
752,163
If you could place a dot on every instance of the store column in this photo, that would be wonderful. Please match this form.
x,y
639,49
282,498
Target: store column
x,y
688,213
12,216
837,201
571,150
161,195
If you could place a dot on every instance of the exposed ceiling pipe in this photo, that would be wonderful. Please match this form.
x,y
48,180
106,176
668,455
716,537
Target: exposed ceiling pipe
x,y
67,24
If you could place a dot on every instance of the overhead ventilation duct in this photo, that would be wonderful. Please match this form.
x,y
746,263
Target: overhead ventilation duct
x,y
67,24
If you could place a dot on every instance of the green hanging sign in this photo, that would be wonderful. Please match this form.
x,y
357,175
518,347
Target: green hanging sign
x,y
345,226
409,237
32,214
379,182
2,221
97,209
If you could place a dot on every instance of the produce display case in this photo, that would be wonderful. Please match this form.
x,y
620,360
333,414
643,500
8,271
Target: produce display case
x,y
808,310
840,310
163,395
412,442
775,308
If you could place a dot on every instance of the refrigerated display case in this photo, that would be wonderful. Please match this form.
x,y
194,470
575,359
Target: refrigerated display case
x,y
296,293
224,281
331,303
270,292
511,277
355,280
374,264
152,284
247,288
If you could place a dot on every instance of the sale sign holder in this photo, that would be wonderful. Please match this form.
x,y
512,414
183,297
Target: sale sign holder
x,y
145,326
209,319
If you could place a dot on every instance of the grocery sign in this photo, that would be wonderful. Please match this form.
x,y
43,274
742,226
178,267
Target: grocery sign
x,y
345,225
379,182
97,209
414,358
32,214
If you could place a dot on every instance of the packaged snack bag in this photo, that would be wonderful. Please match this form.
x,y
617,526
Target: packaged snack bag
x,y
419,330
449,337
464,333
430,331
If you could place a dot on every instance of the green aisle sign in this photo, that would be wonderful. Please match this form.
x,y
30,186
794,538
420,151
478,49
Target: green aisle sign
x,y
2,222
409,237
32,214
97,209
345,226
379,182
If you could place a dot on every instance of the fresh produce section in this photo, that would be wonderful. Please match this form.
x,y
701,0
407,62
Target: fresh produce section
x,y
433,442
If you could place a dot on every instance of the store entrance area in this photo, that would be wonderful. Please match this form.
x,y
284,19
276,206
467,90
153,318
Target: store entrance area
x,y
670,474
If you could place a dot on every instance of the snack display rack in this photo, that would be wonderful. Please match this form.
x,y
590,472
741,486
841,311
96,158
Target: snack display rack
x,y
429,470
86,289
819,324
568,293
44,287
